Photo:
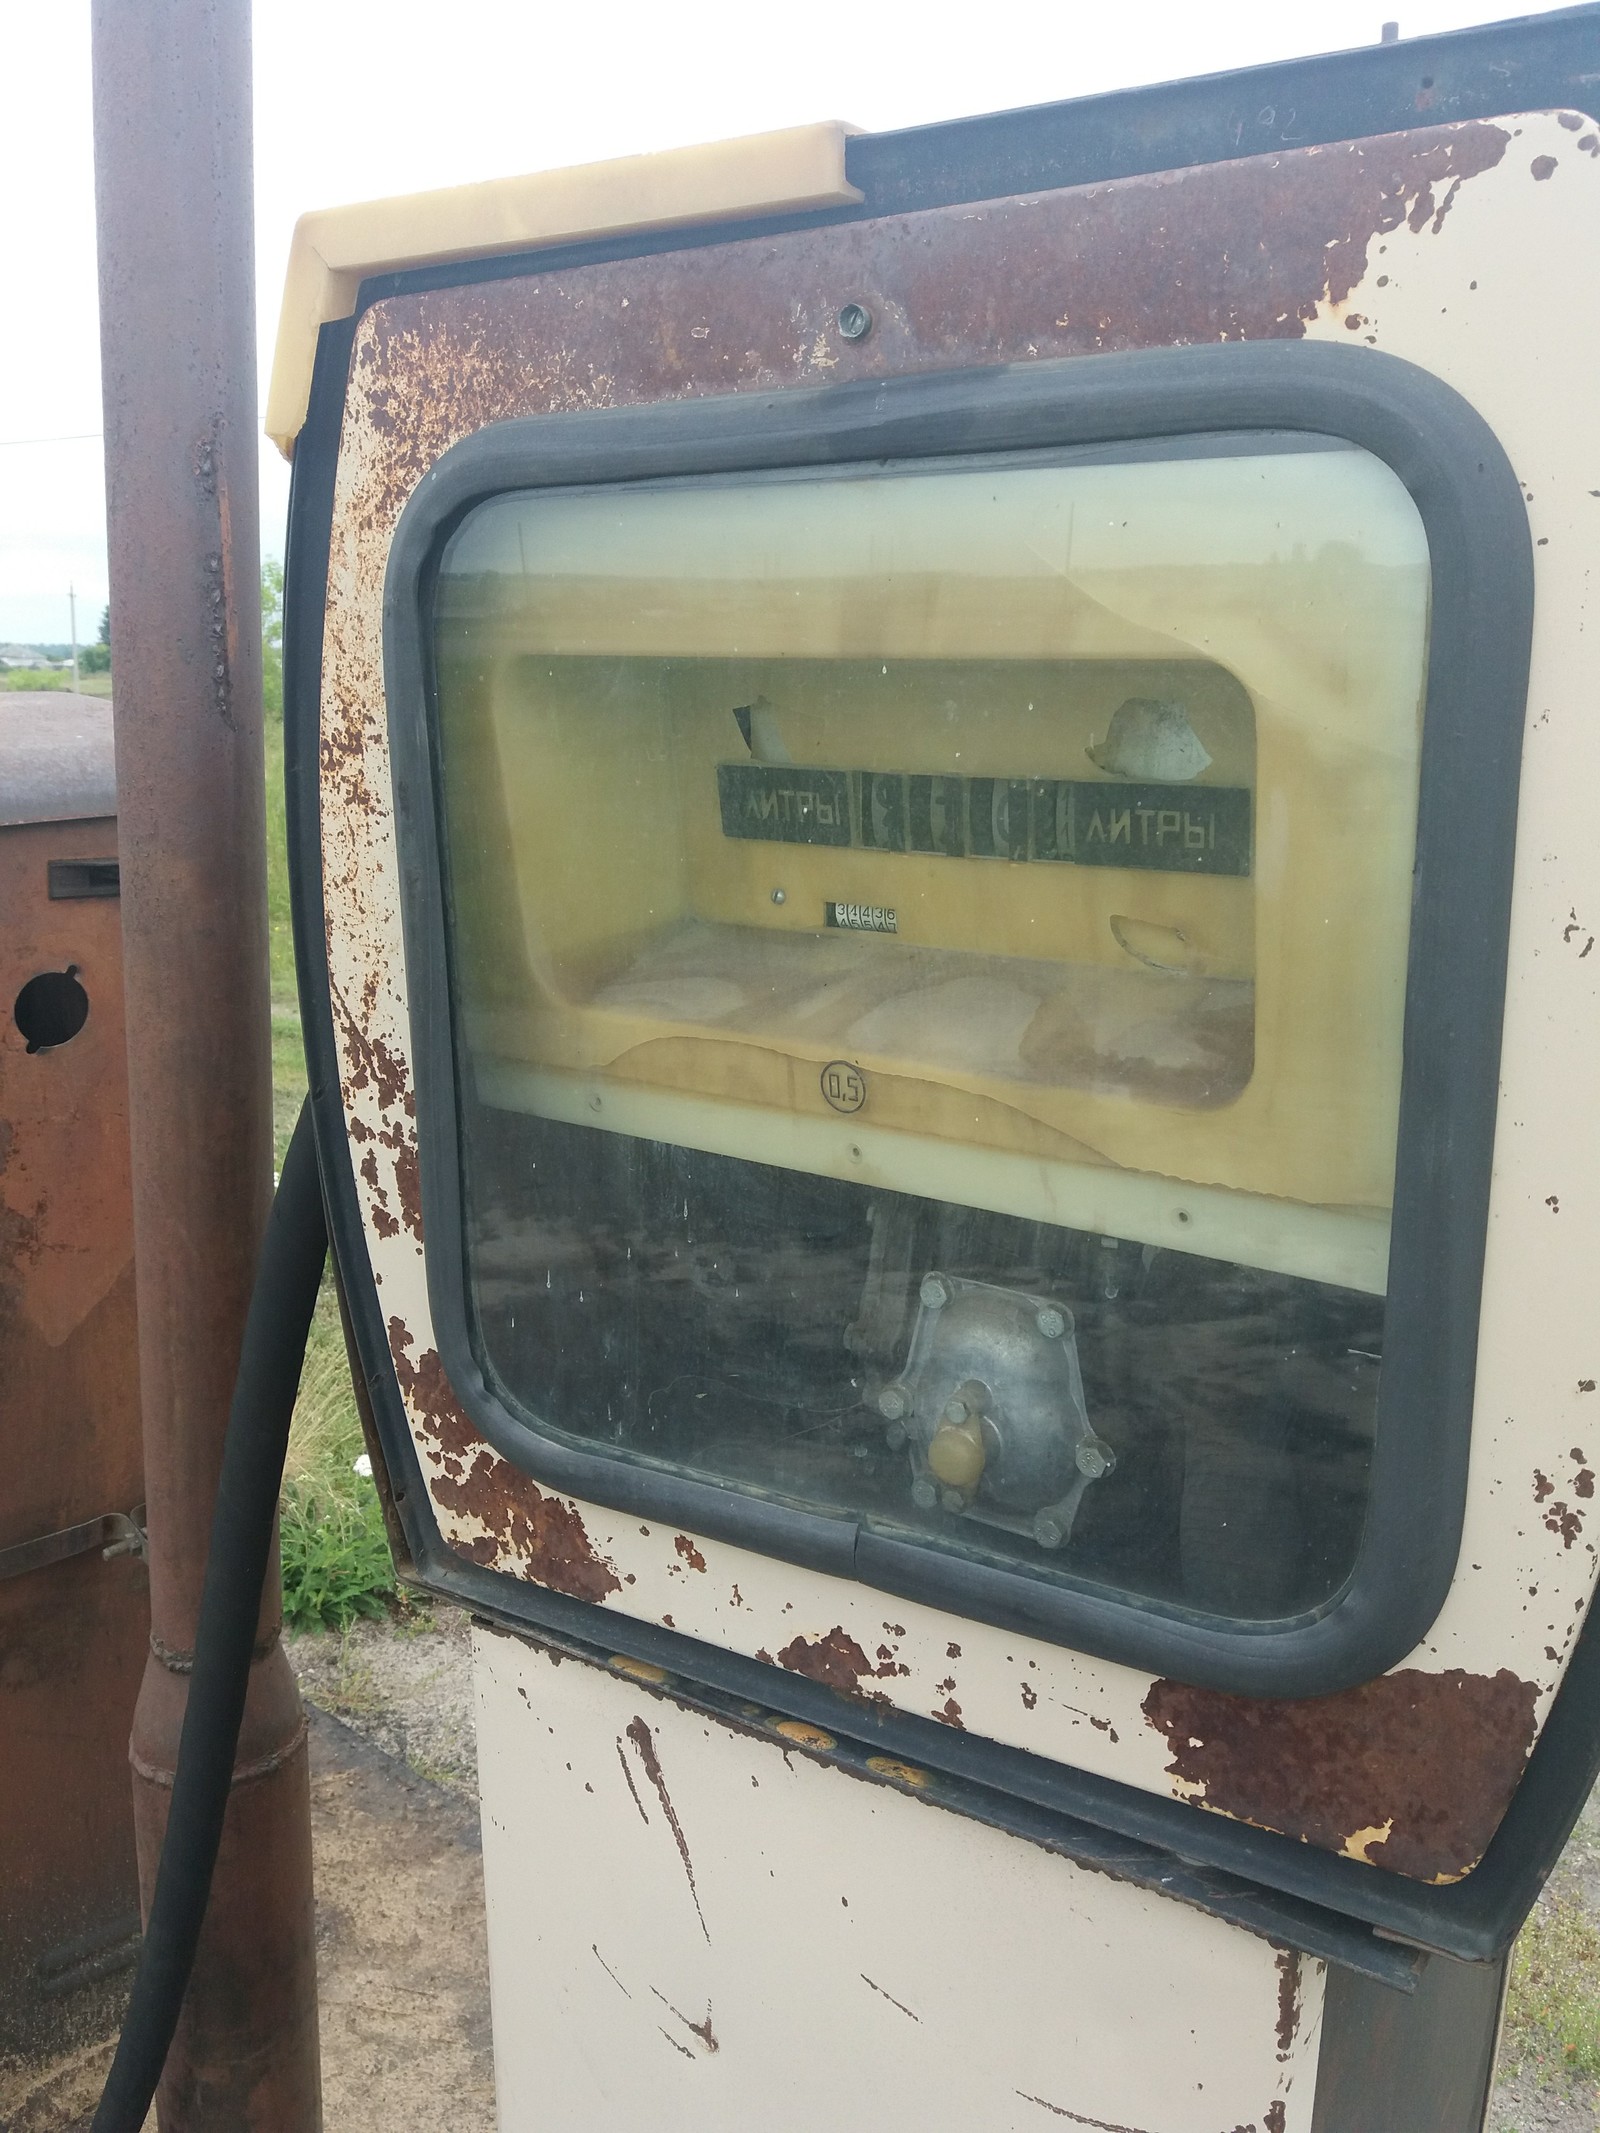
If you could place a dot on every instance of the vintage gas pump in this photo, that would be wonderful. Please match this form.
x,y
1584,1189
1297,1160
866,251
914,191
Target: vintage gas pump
x,y
942,792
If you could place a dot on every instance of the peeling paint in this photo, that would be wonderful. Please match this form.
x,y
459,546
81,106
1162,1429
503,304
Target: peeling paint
x,y
644,1741
544,1534
838,1662
1288,2000
1427,1760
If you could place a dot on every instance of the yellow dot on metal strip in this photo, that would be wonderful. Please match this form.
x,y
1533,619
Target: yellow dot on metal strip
x,y
885,1766
639,1669
804,1736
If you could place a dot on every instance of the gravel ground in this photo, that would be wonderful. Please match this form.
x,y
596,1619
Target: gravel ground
x,y
404,1685
1545,2098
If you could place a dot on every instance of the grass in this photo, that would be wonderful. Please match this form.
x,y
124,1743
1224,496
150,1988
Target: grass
x,y
1552,2020
32,678
336,1565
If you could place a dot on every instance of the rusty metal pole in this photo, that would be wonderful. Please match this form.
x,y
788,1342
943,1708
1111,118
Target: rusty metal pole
x,y
177,324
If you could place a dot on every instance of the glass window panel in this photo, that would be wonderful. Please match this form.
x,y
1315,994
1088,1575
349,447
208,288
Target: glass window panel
x,y
928,948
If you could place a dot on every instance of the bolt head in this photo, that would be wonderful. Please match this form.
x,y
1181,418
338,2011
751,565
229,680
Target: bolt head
x,y
855,321
923,1493
956,1412
1051,1323
935,1291
952,1500
1048,1531
893,1404
780,896
895,1436
1092,1460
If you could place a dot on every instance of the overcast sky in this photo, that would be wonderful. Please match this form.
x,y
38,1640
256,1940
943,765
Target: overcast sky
x,y
359,98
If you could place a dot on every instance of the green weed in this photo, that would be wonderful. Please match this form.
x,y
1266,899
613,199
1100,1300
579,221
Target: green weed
x,y
1552,2021
32,678
336,1563
335,1557
280,934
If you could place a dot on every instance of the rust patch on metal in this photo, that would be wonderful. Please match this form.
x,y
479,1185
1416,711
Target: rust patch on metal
x,y
836,1660
1411,1772
408,1182
1563,1520
370,1063
1157,260
543,1533
1543,1486
644,1741
839,1663
1274,2118
1288,1961
689,1552
1543,167
949,1714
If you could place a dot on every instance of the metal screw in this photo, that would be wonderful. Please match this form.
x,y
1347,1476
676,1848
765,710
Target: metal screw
x,y
935,1291
893,1404
956,1413
594,1103
1092,1459
923,1493
780,896
1048,1530
855,321
1051,1324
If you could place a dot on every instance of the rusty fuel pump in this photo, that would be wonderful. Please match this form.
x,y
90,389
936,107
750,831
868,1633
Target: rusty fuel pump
x,y
941,856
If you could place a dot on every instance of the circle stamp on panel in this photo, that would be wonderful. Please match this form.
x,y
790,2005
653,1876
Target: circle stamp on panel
x,y
843,1085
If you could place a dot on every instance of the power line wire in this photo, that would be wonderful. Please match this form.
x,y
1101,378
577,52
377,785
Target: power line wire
x,y
77,437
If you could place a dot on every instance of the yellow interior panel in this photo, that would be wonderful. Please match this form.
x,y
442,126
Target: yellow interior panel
x,y
668,714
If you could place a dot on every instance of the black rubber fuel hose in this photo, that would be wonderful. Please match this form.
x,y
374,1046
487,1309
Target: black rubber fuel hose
x,y
279,1320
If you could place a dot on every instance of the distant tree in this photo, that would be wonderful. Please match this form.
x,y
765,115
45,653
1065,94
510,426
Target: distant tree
x,y
272,637
105,624
95,659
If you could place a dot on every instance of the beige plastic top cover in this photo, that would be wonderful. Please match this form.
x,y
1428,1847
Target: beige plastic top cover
x,y
335,248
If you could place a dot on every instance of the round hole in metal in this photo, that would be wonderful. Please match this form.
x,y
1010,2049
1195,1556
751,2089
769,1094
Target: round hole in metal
x,y
51,1009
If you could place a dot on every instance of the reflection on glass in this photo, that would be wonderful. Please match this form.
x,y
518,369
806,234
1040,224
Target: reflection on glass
x,y
929,950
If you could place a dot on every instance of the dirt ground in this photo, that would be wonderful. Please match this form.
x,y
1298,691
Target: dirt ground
x,y
401,1959
402,1967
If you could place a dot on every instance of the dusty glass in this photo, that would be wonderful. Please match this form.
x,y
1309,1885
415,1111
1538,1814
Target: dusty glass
x,y
928,957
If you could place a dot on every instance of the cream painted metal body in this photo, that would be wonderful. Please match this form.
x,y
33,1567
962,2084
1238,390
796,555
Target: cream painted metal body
x,y
691,1924
694,1927
1527,1566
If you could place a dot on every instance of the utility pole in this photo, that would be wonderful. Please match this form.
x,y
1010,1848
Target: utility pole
x,y
172,120
72,624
